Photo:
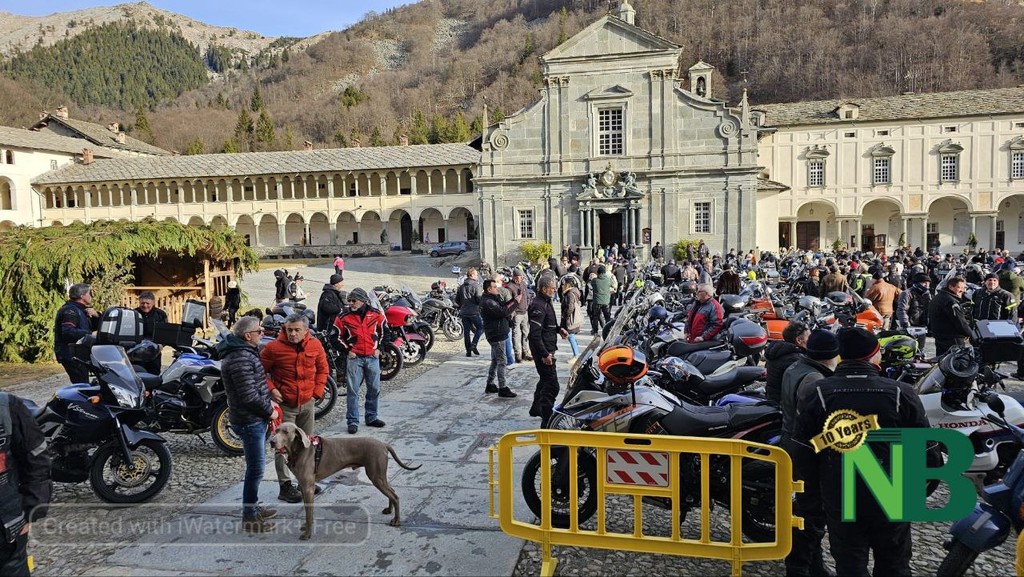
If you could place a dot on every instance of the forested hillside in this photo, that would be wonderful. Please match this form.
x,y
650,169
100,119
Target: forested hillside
x,y
114,65
426,70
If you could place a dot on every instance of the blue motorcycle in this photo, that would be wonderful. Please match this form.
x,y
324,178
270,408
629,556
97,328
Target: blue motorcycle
x,y
999,511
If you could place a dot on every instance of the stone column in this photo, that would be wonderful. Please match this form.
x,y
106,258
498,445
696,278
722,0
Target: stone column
x,y
924,233
332,226
974,228
281,233
904,222
583,226
256,235
447,236
792,233
628,213
993,231
309,238
858,231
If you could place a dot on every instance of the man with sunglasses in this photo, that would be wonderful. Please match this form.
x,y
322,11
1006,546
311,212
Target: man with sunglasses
x,y
361,331
297,370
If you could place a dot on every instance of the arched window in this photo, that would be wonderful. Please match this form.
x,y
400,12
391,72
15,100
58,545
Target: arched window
x,y
6,198
9,157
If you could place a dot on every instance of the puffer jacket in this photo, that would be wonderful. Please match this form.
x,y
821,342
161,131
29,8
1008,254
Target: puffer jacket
x,y
298,371
704,320
778,357
468,298
361,330
245,381
912,306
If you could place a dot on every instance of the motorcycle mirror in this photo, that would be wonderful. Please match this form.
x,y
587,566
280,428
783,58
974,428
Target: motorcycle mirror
x,y
995,402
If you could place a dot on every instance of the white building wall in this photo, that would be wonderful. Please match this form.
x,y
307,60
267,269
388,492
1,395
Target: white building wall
x,y
27,164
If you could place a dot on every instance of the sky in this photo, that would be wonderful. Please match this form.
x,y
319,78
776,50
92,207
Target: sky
x,y
267,17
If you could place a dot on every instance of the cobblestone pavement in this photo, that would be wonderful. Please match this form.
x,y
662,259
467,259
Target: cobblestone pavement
x,y
202,471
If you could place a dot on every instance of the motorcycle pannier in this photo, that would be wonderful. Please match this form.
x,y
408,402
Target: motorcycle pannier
x,y
1000,341
173,335
119,326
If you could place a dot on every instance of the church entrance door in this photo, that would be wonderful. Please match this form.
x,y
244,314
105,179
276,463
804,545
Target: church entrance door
x,y
610,228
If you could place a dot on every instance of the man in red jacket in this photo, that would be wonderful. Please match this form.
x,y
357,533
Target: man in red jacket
x,y
296,367
706,316
362,329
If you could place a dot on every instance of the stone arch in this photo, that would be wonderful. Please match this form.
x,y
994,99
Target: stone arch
x,y
370,227
323,190
245,226
196,221
816,225
949,223
347,231
6,194
462,224
294,230
400,229
6,226
881,223
436,182
270,231
451,181
319,230
219,222
1010,223
431,226
950,198
467,179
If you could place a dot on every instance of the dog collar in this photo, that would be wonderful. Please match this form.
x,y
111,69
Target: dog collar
x,y
314,441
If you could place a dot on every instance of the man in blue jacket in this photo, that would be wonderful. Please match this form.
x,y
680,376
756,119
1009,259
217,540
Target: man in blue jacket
x,y
75,320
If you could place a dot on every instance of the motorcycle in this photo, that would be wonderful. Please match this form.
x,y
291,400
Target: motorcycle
x,y
591,403
405,297
92,432
1000,510
440,312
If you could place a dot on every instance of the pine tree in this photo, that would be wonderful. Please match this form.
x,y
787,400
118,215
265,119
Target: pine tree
x,y
419,133
438,130
458,130
195,147
256,101
264,131
230,146
477,126
142,130
376,137
289,138
244,129
357,136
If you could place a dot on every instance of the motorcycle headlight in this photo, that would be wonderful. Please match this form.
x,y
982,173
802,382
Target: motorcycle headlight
x,y
409,318
124,398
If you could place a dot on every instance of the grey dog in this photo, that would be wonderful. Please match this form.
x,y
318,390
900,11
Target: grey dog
x,y
337,454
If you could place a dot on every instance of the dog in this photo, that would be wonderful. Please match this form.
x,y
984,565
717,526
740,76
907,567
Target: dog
x,y
336,454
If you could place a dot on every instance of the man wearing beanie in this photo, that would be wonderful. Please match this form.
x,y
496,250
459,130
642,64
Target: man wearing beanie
x,y
912,305
993,303
817,362
946,318
856,386
362,329
332,302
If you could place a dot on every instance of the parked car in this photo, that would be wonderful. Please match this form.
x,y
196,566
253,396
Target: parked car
x,y
447,248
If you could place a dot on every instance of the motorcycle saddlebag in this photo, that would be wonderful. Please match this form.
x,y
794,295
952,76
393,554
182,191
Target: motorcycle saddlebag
x,y
119,326
732,303
1000,341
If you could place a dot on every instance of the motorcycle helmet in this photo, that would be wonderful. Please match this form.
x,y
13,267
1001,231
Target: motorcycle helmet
x,y
622,365
144,352
898,349
657,314
959,368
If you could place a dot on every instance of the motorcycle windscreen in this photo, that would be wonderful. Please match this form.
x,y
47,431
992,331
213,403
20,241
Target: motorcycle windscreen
x,y
127,386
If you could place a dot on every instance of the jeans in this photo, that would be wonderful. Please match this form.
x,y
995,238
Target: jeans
x,y
358,369
575,346
303,417
509,358
498,358
254,445
474,324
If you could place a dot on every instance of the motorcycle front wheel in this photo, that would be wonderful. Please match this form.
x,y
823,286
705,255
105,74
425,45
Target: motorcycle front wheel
x,y
560,505
117,481
223,435
326,403
390,361
452,328
413,353
427,333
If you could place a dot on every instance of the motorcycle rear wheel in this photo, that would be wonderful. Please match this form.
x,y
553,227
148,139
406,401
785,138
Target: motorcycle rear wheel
x,y
586,487
957,561
390,361
326,403
452,328
149,455
758,517
223,436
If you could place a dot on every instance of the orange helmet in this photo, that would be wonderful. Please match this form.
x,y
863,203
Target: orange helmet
x,y
621,364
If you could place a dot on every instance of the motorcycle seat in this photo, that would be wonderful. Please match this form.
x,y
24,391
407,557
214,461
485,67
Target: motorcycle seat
x,y
150,380
697,420
679,348
33,409
717,384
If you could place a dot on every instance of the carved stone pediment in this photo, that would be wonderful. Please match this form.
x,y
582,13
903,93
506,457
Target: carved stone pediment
x,y
609,184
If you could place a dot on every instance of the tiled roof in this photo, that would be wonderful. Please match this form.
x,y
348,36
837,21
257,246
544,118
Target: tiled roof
x,y
103,136
22,138
903,107
256,163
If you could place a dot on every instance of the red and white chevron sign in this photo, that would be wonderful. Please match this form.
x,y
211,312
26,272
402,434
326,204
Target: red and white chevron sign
x,y
638,468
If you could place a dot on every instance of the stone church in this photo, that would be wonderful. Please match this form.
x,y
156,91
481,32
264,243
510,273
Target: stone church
x,y
618,150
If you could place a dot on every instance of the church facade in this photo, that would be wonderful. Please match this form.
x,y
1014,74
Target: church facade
x,y
616,151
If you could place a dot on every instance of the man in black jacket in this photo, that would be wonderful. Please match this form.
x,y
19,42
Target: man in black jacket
x,y
249,410
468,300
151,315
857,386
912,305
331,303
781,354
496,315
993,303
947,320
75,320
544,332
25,485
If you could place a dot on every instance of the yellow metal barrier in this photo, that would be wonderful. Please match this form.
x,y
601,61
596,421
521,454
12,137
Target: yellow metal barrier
x,y
658,462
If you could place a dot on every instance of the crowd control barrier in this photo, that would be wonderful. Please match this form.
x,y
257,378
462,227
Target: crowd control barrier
x,y
639,466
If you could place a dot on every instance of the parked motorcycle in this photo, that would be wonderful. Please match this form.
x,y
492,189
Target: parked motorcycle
x,y
1001,507
93,432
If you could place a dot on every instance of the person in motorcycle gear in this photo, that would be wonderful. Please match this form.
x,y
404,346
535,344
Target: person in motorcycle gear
x,y
496,314
858,387
704,321
671,273
332,302
544,333
818,362
75,319
25,485
781,354
992,302
151,315
913,304
947,319
728,282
